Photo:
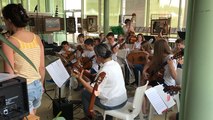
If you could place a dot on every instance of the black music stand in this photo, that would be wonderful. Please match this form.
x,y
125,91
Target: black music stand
x,y
67,107
47,90
181,34
149,38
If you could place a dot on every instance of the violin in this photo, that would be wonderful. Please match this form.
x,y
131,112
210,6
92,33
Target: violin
x,y
71,54
78,67
121,45
87,62
171,90
132,37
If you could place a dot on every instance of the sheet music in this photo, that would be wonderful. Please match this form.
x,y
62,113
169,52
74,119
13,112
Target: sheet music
x,y
168,99
156,100
6,76
58,72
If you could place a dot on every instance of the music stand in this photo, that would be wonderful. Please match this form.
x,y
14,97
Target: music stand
x,y
149,38
60,75
47,90
181,34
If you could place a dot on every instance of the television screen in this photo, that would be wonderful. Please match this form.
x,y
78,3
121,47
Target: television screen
x,y
52,24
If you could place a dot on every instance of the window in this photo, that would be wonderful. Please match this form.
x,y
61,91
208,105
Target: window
x,y
169,7
92,8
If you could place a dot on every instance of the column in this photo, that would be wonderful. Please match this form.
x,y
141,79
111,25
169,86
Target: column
x,y
197,87
50,6
106,16
99,16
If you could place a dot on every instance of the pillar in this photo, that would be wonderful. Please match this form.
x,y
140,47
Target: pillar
x,y
197,86
106,16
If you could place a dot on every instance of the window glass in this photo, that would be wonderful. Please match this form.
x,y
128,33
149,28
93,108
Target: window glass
x,y
24,3
42,6
4,2
32,5
92,8
168,7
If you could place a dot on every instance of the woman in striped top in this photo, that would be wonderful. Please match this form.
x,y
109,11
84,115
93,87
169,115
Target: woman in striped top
x,y
16,19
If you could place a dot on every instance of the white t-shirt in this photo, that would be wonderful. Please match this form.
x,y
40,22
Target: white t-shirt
x,y
114,55
90,54
137,45
112,88
168,80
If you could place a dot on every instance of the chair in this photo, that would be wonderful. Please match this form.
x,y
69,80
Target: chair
x,y
131,109
121,55
179,76
178,82
122,60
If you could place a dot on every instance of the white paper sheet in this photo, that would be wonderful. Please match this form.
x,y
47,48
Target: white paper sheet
x,y
168,100
58,72
160,100
156,100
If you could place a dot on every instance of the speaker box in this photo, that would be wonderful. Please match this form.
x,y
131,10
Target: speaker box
x,y
64,106
13,99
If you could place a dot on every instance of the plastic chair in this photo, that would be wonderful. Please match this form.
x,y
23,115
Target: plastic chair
x,y
179,76
131,109
178,82
121,56
122,60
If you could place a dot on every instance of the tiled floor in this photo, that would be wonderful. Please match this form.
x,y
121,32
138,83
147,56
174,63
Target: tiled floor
x,y
46,113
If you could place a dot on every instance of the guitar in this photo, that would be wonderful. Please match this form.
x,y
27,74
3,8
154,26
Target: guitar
x,y
158,73
92,99
171,90
138,57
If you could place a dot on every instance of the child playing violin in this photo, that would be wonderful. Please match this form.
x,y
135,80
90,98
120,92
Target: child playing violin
x,y
90,54
67,53
179,45
162,54
121,41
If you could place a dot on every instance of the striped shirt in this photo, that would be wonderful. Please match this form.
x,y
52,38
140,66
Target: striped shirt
x,y
21,66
